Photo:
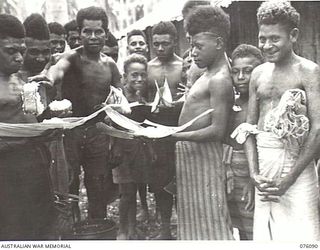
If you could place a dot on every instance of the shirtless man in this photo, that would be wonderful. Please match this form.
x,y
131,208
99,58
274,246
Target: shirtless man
x,y
239,188
167,66
92,73
202,204
26,200
286,204
73,35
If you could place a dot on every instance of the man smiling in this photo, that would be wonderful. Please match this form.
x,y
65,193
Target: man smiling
x,y
280,160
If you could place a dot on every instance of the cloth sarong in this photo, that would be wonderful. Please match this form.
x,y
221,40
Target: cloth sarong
x,y
296,216
202,205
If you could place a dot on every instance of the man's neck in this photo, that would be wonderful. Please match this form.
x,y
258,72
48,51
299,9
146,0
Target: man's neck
x,y
167,59
219,61
92,56
288,60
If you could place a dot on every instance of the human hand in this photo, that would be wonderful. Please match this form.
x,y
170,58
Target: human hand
x,y
183,89
248,196
280,186
42,79
262,182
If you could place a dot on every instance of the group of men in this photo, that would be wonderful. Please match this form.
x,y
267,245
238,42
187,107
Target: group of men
x,y
266,167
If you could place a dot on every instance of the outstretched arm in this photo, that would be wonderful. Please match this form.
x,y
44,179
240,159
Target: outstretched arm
x,y
221,99
56,72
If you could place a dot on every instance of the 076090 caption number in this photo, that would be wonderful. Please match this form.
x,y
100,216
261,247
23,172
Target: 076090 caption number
x,y
308,245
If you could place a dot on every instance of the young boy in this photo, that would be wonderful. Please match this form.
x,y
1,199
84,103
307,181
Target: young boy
x,y
136,157
137,44
240,191
281,167
202,205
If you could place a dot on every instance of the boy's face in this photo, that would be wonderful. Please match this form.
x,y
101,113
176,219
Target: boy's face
x,y
136,76
138,45
11,55
204,49
275,42
92,36
37,55
242,68
74,39
57,43
163,45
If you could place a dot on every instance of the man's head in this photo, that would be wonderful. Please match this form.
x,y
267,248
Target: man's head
x,y
12,44
57,37
190,5
209,28
73,34
111,47
38,43
135,73
244,59
278,29
164,36
137,42
93,25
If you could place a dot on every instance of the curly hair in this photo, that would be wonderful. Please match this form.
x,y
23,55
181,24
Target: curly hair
x,y
136,33
71,26
93,13
246,50
36,27
10,26
191,4
274,12
208,19
134,58
163,28
56,28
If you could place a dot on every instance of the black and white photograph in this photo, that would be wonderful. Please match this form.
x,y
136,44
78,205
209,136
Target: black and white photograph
x,y
162,123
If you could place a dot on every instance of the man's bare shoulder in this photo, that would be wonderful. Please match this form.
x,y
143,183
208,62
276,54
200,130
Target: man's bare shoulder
x,y
221,81
307,66
154,62
70,55
107,60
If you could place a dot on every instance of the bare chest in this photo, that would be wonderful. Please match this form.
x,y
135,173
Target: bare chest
x,y
96,75
271,86
160,73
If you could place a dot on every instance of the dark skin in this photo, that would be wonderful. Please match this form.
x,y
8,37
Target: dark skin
x,y
166,65
242,68
212,90
98,71
136,83
284,70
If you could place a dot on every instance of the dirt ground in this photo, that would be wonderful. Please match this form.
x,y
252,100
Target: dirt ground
x,y
148,230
